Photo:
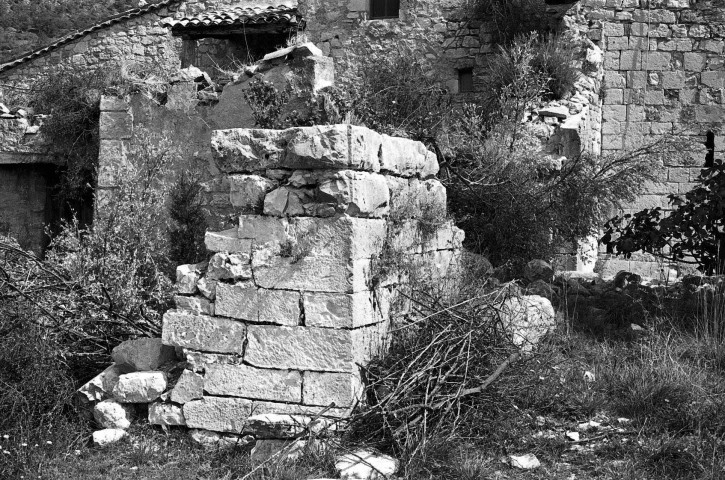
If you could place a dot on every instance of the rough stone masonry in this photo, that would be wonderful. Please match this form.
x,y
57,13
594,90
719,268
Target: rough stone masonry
x,y
302,293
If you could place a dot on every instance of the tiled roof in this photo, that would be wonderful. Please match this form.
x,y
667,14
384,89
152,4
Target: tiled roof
x,y
127,15
231,16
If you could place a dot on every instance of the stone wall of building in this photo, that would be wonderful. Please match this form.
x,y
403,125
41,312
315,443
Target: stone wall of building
x,y
301,292
138,40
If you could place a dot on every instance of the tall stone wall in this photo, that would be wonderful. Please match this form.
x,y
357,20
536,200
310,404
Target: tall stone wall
x,y
300,294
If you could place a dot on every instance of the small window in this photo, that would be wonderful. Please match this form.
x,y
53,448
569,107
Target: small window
x,y
465,80
710,146
384,8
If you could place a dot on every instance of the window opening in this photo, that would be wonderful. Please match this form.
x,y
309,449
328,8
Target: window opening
x,y
384,8
710,145
465,80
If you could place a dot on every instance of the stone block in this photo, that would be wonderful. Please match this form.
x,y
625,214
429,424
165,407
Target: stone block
x,y
342,389
245,150
247,192
227,241
229,266
657,61
101,386
713,79
189,386
614,80
143,354
673,80
245,301
359,194
220,414
201,332
263,230
278,408
289,202
187,276
654,16
338,147
709,113
166,414
107,436
695,62
139,387
111,414
196,305
115,125
629,60
407,158
340,310
299,348
528,319
251,382
113,104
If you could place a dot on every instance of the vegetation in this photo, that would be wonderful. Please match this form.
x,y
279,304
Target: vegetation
x,y
693,232
25,26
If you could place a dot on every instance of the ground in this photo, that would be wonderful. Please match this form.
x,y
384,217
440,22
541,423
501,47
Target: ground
x,y
657,398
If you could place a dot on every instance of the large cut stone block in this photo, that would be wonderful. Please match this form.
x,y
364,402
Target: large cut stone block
x,y
229,266
340,310
245,150
245,301
227,241
338,147
250,382
218,414
189,386
300,348
201,332
247,192
407,158
342,389
115,125
359,194
263,230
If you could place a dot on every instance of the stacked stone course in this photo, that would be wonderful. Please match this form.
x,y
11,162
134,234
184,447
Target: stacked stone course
x,y
300,295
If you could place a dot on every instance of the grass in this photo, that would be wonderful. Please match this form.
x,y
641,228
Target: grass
x,y
656,400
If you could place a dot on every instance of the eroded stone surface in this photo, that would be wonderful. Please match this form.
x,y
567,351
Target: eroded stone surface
x,y
139,387
107,436
202,332
323,388
366,465
250,382
196,305
189,386
229,266
111,414
218,414
143,354
101,386
245,301
227,241
247,192
166,414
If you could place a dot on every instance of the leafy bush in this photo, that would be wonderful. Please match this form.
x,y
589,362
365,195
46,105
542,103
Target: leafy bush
x,y
695,229
189,225
512,18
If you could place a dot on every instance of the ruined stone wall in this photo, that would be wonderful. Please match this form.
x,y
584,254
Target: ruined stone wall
x,y
302,291
140,40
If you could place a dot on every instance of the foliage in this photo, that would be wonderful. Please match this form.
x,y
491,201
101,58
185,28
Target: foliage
x,y
512,18
266,102
72,100
695,229
29,25
189,225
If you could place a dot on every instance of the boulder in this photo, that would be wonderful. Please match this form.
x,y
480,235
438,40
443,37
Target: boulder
x,y
143,354
187,277
102,385
366,465
538,270
527,318
101,438
247,192
114,415
524,462
166,414
140,387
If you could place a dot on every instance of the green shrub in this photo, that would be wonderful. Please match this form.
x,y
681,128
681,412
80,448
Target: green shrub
x,y
188,222
512,18
693,232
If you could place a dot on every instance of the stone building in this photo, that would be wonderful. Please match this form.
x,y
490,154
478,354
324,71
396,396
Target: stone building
x,y
652,69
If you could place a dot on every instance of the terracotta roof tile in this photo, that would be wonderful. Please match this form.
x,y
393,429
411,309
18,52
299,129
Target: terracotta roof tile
x,y
282,14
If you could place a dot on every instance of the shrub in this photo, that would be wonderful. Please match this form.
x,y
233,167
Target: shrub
x,y
695,229
189,225
512,18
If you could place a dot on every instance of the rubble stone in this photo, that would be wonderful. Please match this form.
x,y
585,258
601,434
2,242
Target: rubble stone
x,y
189,386
139,387
107,436
166,414
111,414
251,382
143,354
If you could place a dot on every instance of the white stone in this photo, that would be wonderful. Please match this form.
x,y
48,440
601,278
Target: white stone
x,y
189,386
207,287
263,230
227,241
248,191
366,465
245,150
101,386
196,305
340,310
251,382
359,194
299,348
111,414
337,147
218,414
186,278
143,354
229,266
290,202
525,462
139,387
208,439
341,389
528,319
202,332
245,301
407,158
556,111
166,414
101,438
303,49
